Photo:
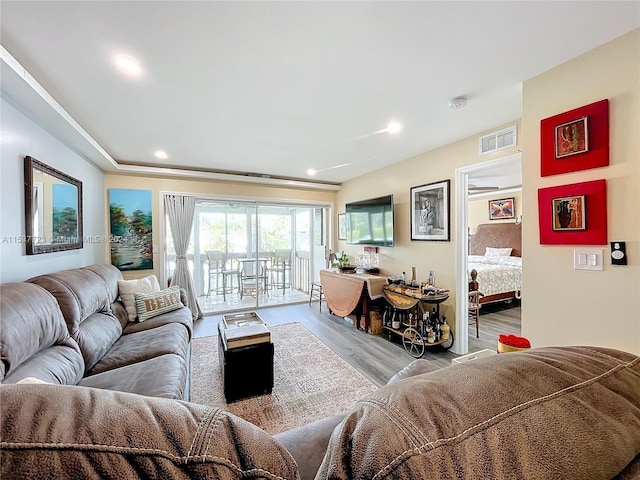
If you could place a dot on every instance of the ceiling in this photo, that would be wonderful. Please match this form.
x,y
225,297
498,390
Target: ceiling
x,y
273,89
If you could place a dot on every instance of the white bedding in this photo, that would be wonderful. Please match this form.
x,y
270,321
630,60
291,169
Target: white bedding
x,y
497,274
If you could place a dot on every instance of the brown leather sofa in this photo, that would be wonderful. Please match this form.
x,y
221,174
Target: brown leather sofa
x,y
70,328
561,413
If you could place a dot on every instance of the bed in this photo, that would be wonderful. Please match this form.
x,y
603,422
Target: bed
x,y
493,269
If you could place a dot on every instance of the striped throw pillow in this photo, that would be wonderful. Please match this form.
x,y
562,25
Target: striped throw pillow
x,y
149,305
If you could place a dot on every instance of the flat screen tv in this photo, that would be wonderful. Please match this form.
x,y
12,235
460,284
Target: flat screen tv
x,y
370,222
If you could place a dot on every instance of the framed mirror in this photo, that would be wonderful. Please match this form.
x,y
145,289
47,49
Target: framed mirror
x,y
53,209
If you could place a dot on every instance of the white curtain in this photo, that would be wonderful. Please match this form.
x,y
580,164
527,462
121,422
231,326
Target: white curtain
x,y
180,210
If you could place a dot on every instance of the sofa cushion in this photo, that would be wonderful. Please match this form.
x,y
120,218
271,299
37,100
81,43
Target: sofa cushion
x,y
150,305
308,443
563,412
137,347
85,296
34,340
76,432
126,289
164,376
109,275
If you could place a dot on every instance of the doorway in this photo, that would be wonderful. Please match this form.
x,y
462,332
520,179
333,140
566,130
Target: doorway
x,y
247,254
478,172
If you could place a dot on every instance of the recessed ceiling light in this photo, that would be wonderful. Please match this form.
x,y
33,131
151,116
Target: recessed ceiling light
x,y
128,65
457,103
161,155
393,127
311,172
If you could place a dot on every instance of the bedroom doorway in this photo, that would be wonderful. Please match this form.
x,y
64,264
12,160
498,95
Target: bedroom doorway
x,y
483,180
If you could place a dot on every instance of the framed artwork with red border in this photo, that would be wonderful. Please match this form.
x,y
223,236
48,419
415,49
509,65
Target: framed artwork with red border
x,y
575,140
574,214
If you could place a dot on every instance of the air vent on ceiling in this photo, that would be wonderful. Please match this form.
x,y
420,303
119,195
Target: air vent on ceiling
x,y
498,140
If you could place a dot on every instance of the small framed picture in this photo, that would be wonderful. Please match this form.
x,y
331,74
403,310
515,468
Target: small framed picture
x,y
572,138
342,227
564,218
569,213
501,209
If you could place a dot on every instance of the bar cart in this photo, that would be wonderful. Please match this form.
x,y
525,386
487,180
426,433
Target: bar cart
x,y
404,317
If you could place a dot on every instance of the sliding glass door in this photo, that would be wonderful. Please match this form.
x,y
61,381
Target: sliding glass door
x,y
247,255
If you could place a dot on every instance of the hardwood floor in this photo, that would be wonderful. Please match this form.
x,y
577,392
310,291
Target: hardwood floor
x,y
375,356
495,318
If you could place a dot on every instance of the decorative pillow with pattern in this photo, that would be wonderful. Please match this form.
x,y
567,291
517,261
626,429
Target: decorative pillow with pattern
x,y
149,305
126,289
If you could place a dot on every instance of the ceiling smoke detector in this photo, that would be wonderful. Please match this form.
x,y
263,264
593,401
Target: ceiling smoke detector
x,y
457,103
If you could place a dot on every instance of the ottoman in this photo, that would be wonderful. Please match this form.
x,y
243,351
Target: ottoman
x,y
246,370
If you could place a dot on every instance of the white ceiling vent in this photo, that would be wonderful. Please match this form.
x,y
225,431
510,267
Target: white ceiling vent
x,y
498,140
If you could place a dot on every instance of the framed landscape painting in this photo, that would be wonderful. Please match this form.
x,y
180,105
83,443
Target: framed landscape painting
x,y
131,229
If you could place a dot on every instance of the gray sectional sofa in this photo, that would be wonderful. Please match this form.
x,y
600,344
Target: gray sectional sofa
x,y
555,412
70,328
570,413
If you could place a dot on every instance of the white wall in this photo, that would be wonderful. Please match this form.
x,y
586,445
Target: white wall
x,y
433,166
478,209
561,305
19,137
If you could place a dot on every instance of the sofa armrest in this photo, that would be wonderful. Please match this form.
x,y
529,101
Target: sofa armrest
x,y
307,444
80,432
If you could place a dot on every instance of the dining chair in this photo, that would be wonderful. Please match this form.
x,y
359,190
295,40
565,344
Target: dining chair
x,y
474,310
221,273
279,266
253,276
316,293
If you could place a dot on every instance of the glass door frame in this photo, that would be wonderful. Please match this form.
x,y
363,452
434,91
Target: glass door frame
x,y
294,205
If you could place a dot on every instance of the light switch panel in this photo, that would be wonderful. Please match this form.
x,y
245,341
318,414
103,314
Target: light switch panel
x,y
587,259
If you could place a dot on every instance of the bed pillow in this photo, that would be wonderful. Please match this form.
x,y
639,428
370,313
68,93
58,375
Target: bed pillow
x,y
497,252
126,289
150,305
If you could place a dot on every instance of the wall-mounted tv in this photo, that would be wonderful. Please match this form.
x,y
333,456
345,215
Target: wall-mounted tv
x,y
370,222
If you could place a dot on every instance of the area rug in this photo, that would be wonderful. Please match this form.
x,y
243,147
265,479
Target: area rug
x,y
310,381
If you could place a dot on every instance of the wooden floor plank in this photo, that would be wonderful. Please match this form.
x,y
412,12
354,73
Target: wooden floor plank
x,y
375,356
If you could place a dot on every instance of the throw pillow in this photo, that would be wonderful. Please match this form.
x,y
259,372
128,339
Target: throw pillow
x,y
149,305
33,380
497,252
126,289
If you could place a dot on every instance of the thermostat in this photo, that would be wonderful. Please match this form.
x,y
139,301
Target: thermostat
x,y
618,253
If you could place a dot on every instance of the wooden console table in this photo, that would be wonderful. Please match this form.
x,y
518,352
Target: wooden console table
x,y
351,294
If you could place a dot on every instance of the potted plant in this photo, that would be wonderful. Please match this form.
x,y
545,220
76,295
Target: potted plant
x,y
343,263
